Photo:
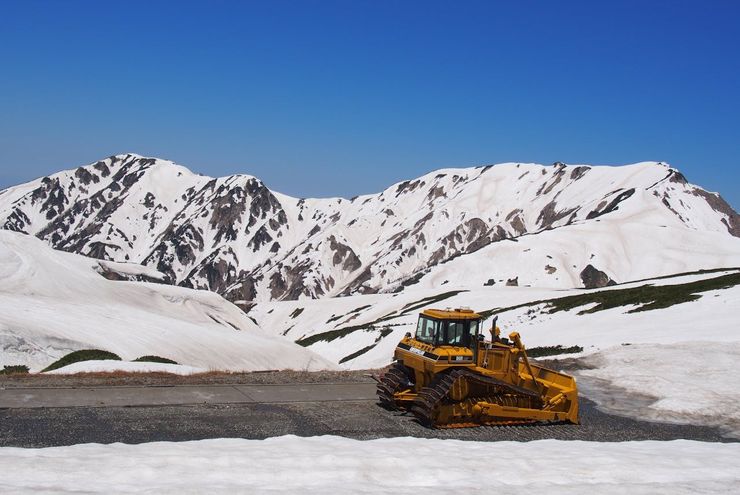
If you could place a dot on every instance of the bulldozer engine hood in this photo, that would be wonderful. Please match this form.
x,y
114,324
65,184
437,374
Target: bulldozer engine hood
x,y
445,353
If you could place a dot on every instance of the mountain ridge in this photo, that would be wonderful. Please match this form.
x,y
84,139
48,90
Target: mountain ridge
x,y
235,236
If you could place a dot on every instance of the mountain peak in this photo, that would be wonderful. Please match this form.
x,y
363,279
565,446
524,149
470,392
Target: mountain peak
x,y
515,223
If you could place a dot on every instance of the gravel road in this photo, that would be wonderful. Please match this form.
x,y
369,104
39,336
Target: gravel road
x,y
41,427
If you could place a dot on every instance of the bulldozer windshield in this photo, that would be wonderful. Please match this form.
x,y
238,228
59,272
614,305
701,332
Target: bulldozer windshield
x,y
446,332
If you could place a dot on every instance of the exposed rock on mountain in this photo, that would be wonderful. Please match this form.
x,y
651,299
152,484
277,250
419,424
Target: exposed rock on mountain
x,y
234,236
593,278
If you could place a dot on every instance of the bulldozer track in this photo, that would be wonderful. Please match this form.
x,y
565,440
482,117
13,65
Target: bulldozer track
x,y
390,382
438,392
521,431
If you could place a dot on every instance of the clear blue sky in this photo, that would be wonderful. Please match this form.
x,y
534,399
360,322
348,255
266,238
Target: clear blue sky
x,y
323,98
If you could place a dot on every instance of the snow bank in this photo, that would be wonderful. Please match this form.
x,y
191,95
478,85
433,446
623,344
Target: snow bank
x,y
129,269
691,382
399,465
53,303
127,366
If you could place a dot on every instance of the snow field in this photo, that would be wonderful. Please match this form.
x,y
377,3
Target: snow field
x,y
53,303
690,382
711,318
320,465
615,245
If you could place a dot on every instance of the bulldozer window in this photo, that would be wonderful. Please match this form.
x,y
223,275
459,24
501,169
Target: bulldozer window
x,y
426,330
474,327
455,332
458,333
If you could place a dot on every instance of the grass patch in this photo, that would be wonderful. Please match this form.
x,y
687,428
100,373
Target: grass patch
x,y
357,353
361,308
489,312
645,298
384,332
334,318
553,350
682,274
428,300
15,369
334,334
83,355
339,317
329,336
154,359
343,332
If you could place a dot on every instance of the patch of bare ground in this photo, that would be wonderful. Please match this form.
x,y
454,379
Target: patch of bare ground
x,y
121,378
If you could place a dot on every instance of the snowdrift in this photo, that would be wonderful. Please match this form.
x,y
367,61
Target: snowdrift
x,y
52,303
97,366
688,383
321,465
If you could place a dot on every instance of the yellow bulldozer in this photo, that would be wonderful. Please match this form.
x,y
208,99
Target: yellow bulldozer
x,y
449,376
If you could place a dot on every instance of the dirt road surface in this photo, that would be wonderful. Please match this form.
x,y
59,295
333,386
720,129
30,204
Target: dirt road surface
x,y
50,411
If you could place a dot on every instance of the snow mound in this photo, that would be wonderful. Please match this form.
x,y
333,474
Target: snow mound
x,y
126,366
129,271
320,465
53,303
689,382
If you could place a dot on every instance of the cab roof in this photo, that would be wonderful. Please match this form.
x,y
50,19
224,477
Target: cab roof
x,y
451,314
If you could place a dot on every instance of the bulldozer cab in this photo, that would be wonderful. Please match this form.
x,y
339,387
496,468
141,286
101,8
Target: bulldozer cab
x,y
458,328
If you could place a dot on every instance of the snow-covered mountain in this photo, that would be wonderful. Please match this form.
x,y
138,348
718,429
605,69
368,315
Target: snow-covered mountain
x,y
53,303
555,226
